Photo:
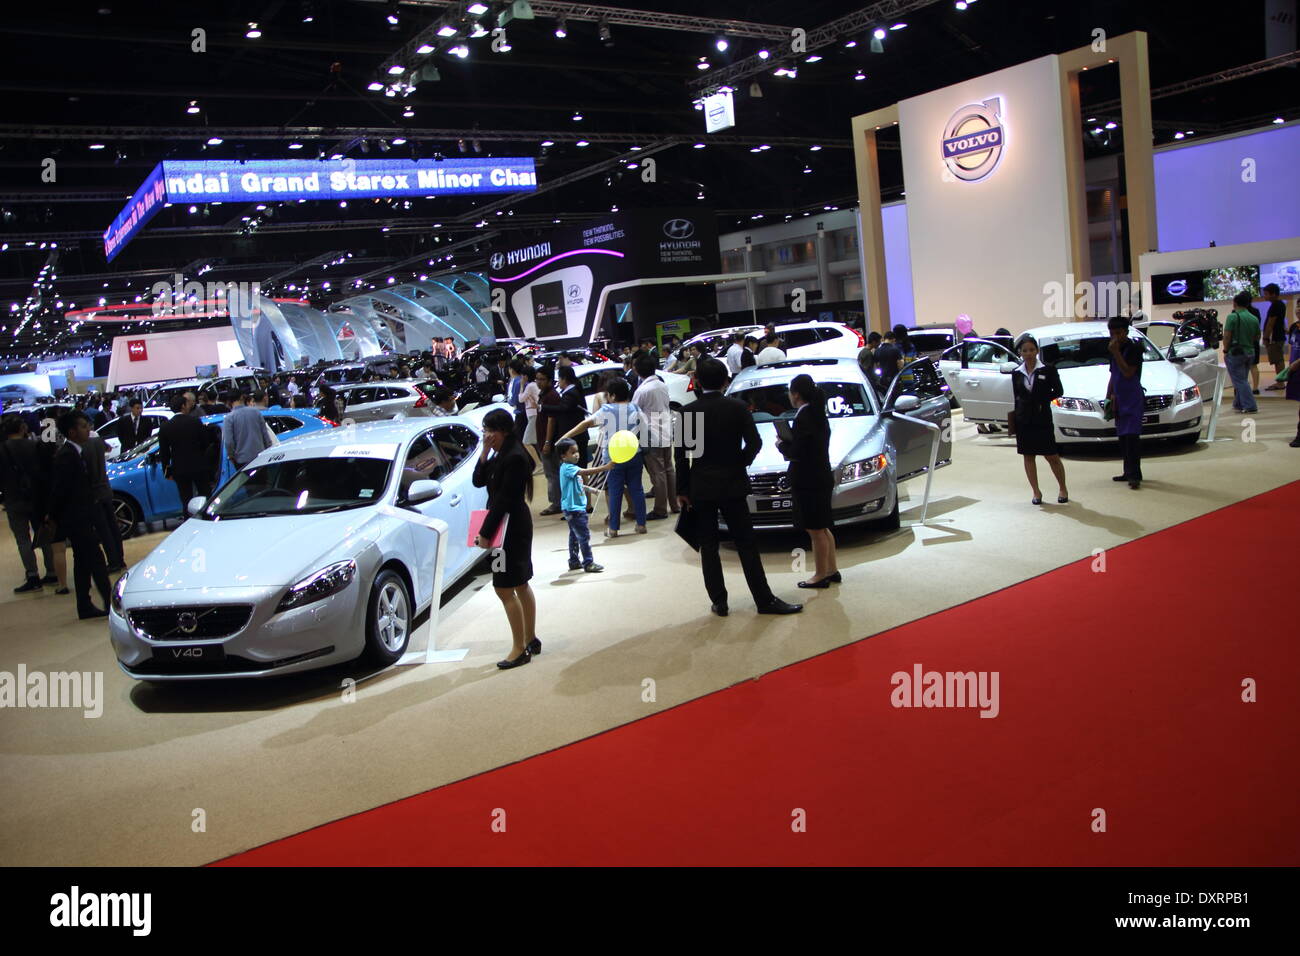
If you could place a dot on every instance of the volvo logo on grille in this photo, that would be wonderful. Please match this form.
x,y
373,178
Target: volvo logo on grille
x,y
187,621
679,229
497,261
973,140
783,483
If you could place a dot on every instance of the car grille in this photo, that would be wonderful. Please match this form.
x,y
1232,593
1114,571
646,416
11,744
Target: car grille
x,y
208,621
1157,402
770,484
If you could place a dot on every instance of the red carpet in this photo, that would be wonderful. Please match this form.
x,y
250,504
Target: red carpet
x,y
1118,690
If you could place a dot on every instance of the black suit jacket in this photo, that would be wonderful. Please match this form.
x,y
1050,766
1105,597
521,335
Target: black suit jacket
x,y
809,452
727,443
570,409
71,499
184,446
130,435
1034,405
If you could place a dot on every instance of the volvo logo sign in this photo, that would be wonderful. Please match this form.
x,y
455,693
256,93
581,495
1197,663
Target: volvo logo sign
x,y
497,261
187,621
973,140
679,229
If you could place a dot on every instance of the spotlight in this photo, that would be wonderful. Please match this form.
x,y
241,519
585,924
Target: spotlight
x,y
850,44
1111,125
605,36
394,16
960,4
702,65
721,44
859,75
96,145
374,86
697,146
582,142
215,141
461,51
560,30
763,54
898,26
814,58
1278,121
477,9
755,90
253,32
878,33
577,117
548,142
424,49
447,30
408,113
193,107
396,69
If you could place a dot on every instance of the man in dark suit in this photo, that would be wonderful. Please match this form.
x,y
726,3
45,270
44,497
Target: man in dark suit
x,y
134,428
714,482
186,450
567,411
72,502
94,451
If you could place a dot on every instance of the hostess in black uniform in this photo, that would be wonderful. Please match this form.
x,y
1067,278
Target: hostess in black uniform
x,y
506,476
811,479
1035,434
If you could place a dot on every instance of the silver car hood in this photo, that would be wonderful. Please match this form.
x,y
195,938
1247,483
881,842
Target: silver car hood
x,y
847,437
242,552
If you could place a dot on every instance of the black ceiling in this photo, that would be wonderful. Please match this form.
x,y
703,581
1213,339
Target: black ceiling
x,y
122,75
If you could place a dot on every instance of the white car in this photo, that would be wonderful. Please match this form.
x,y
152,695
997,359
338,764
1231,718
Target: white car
x,y
376,401
800,339
978,371
299,561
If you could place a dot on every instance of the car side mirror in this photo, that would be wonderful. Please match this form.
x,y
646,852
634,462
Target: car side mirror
x,y
906,403
498,398
1186,351
423,490
1006,368
195,505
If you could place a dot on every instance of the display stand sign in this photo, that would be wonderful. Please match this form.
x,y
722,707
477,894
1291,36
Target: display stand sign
x,y
422,646
1214,405
936,434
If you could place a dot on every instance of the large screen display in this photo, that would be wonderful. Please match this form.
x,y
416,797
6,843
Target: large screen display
x,y
1223,283
548,310
1285,274
1176,287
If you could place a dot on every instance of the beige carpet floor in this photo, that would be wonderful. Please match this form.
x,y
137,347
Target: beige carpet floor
x,y
263,760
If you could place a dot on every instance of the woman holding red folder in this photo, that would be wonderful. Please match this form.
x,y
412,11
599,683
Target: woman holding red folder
x,y
506,470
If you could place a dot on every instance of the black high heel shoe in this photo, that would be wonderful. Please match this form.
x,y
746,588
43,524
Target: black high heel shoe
x,y
534,646
519,661
832,578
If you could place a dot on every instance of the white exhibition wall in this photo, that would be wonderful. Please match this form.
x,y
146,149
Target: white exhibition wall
x,y
168,355
985,248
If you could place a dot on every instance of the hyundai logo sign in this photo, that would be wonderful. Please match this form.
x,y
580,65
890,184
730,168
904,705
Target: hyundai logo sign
x,y
575,291
973,140
497,261
679,229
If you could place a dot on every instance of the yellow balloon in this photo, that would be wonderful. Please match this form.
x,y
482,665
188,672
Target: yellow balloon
x,y
622,447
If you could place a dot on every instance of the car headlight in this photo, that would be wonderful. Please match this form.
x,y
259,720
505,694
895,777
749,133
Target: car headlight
x,y
1192,394
857,470
1075,404
318,585
118,589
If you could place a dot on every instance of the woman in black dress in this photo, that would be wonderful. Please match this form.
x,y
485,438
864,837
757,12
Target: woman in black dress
x,y
811,479
508,477
1034,386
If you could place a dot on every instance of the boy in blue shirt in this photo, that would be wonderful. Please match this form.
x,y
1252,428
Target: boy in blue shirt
x,y
573,502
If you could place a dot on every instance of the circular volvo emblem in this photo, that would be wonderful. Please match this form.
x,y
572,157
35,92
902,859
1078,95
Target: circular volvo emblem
x,y
973,140
496,261
187,621
679,229
783,483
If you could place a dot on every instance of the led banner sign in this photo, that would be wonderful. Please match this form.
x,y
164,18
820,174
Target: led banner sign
x,y
144,205
198,181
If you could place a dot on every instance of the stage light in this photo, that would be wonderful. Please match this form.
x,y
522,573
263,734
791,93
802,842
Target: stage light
x,y
814,58
424,49
814,149
859,75
394,13
699,145
548,142
898,26
193,107
478,30
253,32
374,86
606,37
96,145
408,113
396,69
447,30
577,117
1111,125
477,9
215,141
1278,121
582,142
560,30
960,4
721,44
878,33
461,51
763,54
1178,135
702,65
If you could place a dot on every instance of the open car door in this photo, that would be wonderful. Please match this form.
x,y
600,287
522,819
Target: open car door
x,y
973,371
911,441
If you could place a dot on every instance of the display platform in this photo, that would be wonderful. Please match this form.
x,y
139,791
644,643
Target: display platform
x,y
264,761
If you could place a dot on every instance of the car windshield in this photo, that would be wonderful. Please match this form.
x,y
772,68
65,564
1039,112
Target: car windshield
x,y
146,446
1079,353
767,403
300,486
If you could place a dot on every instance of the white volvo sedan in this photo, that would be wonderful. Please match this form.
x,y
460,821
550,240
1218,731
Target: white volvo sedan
x,y
306,557
1177,385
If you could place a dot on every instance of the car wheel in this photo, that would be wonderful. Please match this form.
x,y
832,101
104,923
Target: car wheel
x,y
127,515
891,521
388,618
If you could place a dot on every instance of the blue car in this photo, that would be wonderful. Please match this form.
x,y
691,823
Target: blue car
x,y
142,493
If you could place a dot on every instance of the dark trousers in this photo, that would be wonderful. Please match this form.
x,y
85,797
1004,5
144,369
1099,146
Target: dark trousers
x,y
109,536
583,458
579,537
741,528
87,565
1131,446
192,486
27,534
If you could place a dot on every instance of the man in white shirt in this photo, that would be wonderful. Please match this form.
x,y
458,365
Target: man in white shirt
x,y
651,398
770,352
733,353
